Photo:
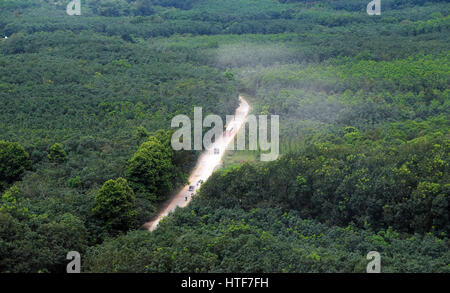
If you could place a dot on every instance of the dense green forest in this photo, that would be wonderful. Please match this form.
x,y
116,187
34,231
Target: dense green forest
x,y
85,156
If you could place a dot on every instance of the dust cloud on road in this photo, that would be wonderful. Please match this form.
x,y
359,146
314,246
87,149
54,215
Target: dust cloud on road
x,y
204,168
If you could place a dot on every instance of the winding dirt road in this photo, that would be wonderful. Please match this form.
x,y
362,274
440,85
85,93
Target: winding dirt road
x,y
206,165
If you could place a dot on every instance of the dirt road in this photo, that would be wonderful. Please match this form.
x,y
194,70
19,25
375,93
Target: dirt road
x,y
206,165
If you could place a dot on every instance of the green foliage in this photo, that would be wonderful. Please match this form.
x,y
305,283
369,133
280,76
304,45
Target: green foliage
x,y
12,203
57,154
40,244
75,182
229,75
202,238
14,160
149,170
405,187
115,205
